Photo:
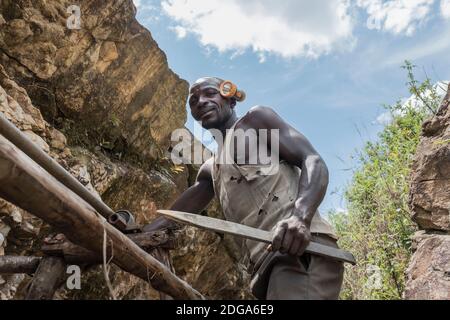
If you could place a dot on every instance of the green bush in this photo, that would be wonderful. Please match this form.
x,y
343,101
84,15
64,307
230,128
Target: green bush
x,y
377,227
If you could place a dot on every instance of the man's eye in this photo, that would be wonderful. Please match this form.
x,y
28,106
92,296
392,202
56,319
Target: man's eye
x,y
193,100
211,92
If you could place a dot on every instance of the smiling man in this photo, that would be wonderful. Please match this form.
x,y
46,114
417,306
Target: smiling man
x,y
285,201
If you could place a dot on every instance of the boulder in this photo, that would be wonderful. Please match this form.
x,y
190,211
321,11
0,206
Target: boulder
x,y
430,179
428,274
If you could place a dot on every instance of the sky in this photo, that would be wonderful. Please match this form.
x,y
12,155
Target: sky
x,y
326,66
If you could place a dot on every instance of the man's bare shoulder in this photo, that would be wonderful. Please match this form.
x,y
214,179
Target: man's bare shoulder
x,y
205,171
258,117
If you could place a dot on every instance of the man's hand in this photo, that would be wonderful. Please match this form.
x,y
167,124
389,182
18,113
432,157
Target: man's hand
x,y
55,238
291,236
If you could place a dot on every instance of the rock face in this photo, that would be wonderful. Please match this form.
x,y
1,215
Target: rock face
x,y
102,101
429,269
428,275
109,76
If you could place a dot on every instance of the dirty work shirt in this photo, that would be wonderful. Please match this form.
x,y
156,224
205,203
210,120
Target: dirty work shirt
x,y
248,196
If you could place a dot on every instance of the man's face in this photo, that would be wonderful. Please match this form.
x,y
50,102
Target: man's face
x,y
208,107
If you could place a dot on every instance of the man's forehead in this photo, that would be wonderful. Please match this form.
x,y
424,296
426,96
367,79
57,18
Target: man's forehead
x,y
205,83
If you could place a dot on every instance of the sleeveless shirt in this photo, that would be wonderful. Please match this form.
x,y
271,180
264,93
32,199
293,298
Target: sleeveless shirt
x,y
258,196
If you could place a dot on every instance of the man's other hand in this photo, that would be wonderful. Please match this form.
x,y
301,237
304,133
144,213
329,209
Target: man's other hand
x,y
161,223
291,236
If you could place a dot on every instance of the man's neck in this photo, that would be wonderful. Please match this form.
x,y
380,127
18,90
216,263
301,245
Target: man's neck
x,y
228,124
223,129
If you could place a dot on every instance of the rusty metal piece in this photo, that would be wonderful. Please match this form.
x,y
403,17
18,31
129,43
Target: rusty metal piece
x,y
124,221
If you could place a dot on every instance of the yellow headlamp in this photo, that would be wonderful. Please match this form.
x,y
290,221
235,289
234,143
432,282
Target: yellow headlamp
x,y
229,90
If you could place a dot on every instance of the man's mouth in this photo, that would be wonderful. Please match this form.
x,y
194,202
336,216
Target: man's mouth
x,y
206,114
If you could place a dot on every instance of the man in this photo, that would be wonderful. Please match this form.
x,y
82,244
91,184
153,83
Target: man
x,y
285,200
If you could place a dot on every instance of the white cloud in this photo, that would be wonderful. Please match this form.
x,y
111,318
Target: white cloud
x,y
439,42
384,119
341,210
147,11
445,8
289,28
137,3
262,57
396,16
180,32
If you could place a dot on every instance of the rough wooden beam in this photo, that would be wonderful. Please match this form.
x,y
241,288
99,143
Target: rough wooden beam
x,y
75,254
18,264
72,253
46,279
149,240
28,186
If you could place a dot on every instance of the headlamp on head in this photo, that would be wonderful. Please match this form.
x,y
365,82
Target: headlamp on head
x,y
229,90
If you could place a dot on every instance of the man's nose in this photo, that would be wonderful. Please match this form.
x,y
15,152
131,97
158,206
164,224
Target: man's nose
x,y
202,101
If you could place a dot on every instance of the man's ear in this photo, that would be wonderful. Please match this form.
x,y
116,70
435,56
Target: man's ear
x,y
232,103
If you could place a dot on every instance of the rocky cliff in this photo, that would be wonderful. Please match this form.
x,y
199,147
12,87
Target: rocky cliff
x,y
109,77
102,101
428,275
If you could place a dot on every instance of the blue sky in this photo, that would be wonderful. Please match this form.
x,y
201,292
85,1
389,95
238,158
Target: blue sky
x,y
326,66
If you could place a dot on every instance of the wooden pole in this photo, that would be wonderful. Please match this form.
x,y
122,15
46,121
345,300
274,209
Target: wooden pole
x,y
18,264
46,279
28,186
75,254
79,255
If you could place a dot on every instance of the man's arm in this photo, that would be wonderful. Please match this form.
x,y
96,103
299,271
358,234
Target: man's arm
x,y
293,235
193,200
